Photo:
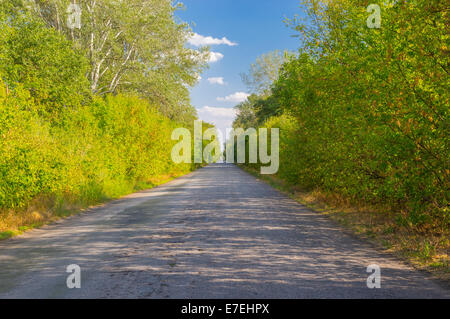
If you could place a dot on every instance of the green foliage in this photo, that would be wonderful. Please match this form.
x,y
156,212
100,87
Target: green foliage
x,y
133,46
264,72
366,111
256,110
44,62
101,150
59,141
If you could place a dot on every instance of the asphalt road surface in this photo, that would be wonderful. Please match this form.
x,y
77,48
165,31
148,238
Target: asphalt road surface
x,y
215,233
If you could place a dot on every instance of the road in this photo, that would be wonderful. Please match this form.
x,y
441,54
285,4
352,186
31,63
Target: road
x,y
215,233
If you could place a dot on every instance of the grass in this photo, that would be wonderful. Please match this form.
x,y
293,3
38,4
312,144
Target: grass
x,y
422,247
47,209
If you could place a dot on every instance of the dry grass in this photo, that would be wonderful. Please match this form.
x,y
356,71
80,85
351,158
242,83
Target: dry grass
x,y
425,248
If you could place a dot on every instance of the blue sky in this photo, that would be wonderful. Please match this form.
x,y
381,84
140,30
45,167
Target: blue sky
x,y
241,30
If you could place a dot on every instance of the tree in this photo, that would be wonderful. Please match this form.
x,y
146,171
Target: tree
x,y
246,116
264,72
43,62
371,105
261,105
132,46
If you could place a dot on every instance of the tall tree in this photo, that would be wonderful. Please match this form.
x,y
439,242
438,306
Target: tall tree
x,y
264,72
133,46
43,62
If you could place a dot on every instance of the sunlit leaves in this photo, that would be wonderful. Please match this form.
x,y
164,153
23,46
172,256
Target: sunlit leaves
x,y
371,105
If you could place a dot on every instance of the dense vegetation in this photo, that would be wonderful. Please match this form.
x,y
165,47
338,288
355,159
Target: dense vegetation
x,y
79,122
364,112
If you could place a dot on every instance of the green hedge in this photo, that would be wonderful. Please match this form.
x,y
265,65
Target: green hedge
x,y
57,139
101,150
366,111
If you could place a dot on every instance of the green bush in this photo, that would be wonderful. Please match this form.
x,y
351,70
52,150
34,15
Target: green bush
x,y
59,142
366,111
44,63
101,150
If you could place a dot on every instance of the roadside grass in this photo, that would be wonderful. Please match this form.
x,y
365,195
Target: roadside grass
x,y
423,248
47,209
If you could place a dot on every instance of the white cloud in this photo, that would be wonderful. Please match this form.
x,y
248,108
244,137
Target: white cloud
x,y
224,112
214,57
200,40
237,97
216,80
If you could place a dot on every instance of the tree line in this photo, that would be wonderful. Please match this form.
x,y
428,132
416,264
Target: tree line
x,y
363,112
87,110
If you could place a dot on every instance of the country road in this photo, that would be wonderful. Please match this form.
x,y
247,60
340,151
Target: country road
x,y
215,233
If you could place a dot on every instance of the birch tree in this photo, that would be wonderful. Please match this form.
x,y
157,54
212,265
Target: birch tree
x,y
133,46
